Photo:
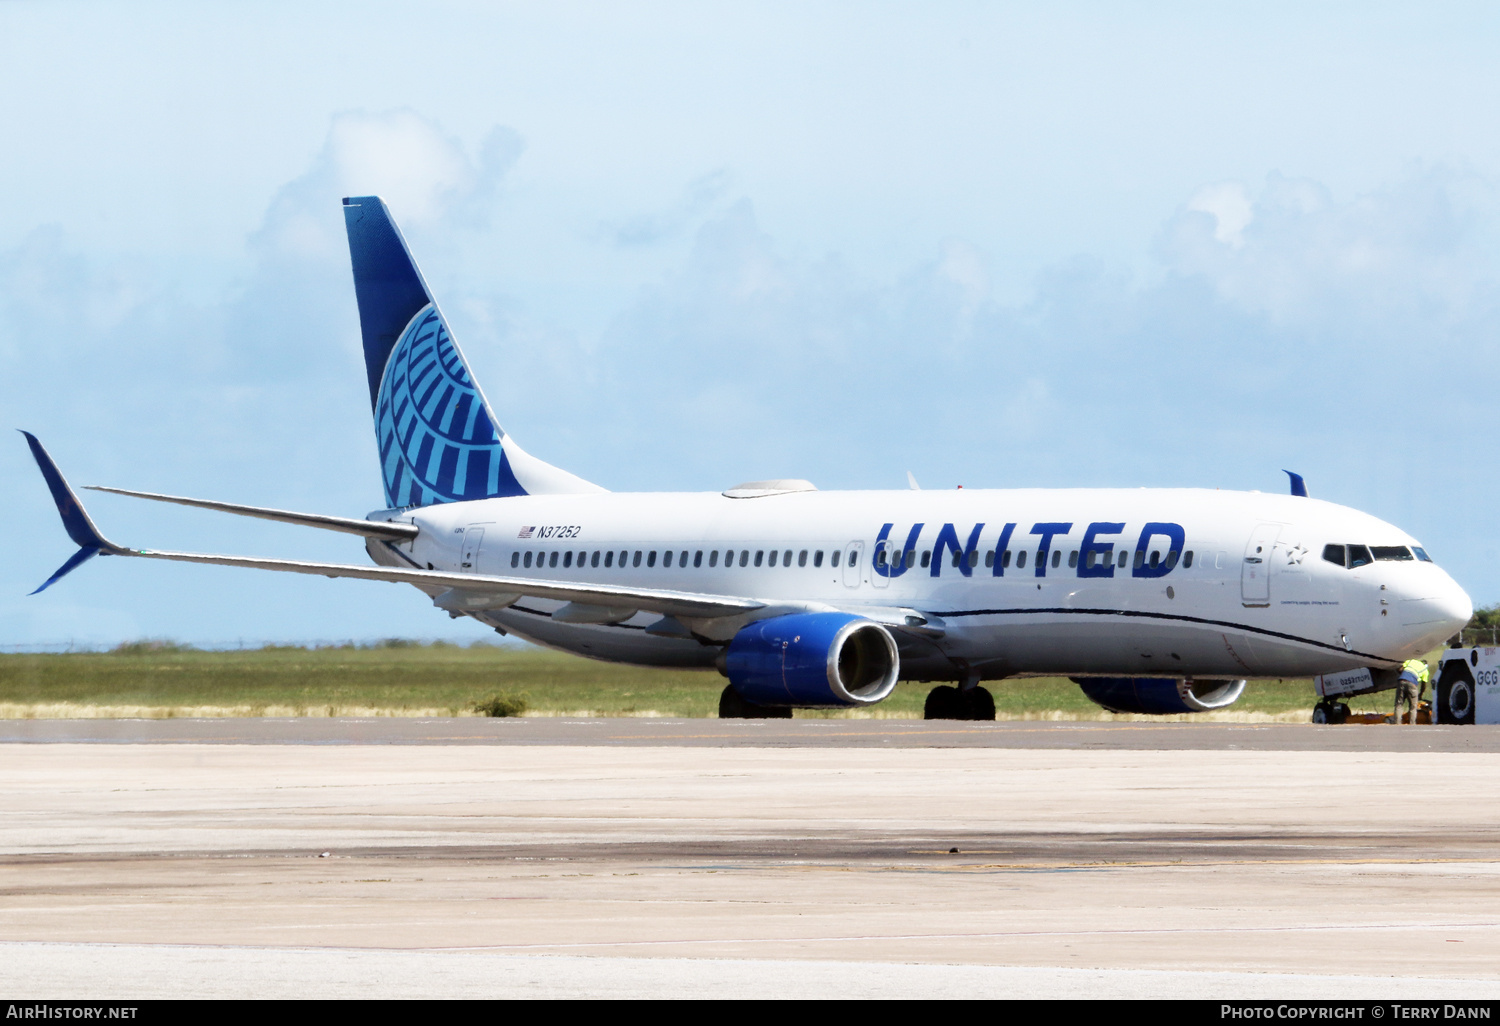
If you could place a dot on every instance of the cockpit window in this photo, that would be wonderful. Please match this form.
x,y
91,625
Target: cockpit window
x,y
1421,553
1392,552
1359,555
1334,554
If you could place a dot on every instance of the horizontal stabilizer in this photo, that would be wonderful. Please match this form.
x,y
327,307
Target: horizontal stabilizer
x,y
348,525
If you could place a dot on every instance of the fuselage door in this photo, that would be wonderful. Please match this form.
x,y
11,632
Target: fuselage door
x,y
1255,572
853,563
469,562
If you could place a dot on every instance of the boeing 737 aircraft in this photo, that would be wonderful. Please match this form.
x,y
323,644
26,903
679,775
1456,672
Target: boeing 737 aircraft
x,y
1152,600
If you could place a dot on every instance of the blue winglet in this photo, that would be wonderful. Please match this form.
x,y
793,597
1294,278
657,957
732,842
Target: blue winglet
x,y
79,558
1299,486
75,519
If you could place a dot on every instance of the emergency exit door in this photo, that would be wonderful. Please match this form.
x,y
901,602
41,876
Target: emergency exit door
x,y
1255,572
852,560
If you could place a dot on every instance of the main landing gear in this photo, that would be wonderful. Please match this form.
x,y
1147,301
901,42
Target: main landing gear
x,y
733,707
946,702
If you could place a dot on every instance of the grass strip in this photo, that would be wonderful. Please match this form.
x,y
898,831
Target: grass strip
x,y
399,678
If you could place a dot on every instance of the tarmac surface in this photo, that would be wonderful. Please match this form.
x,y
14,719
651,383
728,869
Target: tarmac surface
x,y
811,733
540,857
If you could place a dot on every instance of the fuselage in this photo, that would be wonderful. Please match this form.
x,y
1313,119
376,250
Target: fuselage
x,y
987,583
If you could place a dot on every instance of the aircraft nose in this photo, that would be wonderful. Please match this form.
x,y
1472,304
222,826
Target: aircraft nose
x,y
1455,606
1439,610
1428,610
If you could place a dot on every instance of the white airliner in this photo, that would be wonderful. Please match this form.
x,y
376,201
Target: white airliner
x,y
1153,600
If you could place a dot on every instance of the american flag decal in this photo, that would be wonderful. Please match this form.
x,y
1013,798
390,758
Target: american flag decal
x,y
526,532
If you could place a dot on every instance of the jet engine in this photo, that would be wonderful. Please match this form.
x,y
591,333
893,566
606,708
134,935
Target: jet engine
x,y
1160,695
813,660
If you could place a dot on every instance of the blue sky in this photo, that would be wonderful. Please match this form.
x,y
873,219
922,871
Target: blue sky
x,y
685,245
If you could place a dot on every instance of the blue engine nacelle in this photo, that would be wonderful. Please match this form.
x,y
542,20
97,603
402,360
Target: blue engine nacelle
x,y
813,660
1160,695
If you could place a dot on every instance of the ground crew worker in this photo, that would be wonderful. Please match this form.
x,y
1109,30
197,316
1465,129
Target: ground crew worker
x,y
1409,687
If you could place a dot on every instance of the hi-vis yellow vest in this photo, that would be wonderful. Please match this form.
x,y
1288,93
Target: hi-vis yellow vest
x,y
1417,667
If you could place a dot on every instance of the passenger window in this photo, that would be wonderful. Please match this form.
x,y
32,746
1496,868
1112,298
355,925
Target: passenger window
x,y
1056,558
880,557
989,559
833,557
1140,558
625,557
713,558
1171,559
1391,552
682,560
759,554
637,561
1020,559
697,559
1421,553
609,558
973,559
818,557
774,554
567,560
666,559
553,560
926,558
786,558
651,558
1088,561
1073,560
528,561
515,559
957,559
1124,555
1333,554
1187,560
1005,563
802,558
745,557
1359,556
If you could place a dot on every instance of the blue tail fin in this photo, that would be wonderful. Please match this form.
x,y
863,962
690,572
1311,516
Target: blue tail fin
x,y
439,441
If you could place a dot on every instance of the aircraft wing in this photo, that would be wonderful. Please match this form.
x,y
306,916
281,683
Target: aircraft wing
x,y
668,603
499,589
348,525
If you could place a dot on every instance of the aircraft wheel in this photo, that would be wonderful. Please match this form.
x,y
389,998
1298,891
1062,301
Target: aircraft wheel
x,y
979,702
1340,713
1322,712
944,703
732,706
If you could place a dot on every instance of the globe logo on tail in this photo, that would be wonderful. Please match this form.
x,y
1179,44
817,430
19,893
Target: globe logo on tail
x,y
437,441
